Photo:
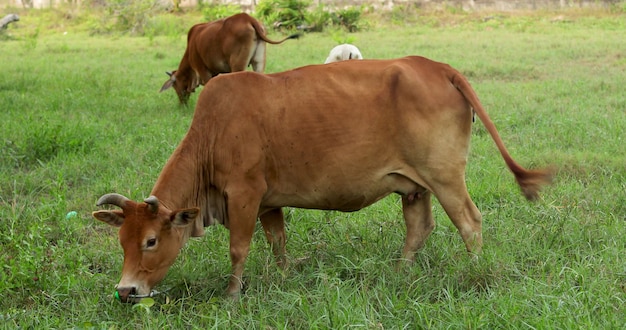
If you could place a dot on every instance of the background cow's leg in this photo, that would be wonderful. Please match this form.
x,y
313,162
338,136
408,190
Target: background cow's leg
x,y
201,78
243,56
258,58
242,215
274,228
458,205
419,222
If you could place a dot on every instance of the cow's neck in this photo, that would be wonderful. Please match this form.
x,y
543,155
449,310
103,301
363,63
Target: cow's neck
x,y
182,183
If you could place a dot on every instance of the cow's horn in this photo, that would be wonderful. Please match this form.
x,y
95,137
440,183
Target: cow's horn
x,y
168,73
113,199
153,203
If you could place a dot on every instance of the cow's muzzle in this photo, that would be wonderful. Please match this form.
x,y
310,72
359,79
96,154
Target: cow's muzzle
x,y
128,295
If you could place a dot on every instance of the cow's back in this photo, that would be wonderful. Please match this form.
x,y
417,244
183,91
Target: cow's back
x,y
204,45
345,89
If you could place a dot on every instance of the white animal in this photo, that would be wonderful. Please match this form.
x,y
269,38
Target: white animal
x,y
344,52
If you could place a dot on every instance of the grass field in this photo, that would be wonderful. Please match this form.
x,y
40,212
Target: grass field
x,y
81,116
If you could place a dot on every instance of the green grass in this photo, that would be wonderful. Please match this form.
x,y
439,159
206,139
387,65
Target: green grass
x,y
81,116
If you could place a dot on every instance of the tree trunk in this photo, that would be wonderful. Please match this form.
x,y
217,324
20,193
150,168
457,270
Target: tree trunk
x,y
8,19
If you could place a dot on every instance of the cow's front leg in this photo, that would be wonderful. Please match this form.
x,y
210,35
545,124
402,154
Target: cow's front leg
x,y
202,77
242,214
274,227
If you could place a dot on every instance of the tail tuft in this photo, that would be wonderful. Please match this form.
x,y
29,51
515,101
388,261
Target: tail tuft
x,y
295,36
531,181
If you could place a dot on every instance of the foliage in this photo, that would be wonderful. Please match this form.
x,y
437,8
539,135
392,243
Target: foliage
x,y
340,37
618,7
47,139
349,18
287,14
215,12
172,26
295,14
402,14
318,19
4,34
127,16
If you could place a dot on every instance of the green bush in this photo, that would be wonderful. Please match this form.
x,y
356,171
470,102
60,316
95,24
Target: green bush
x,y
283,14
618,7
348,18
126,16
295,14
318,19
214,12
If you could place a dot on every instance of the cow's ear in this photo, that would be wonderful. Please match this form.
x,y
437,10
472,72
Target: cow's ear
x,y
185,217
113,218
167,84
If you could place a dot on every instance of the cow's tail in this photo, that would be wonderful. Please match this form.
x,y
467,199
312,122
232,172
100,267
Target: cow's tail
x,y
530,181
260,31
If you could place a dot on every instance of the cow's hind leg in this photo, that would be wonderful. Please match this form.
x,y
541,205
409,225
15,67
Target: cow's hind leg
x,y
274,227
258,58
458,205
243,57
419,222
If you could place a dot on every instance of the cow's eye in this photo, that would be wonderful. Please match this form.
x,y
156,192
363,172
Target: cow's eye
x,y
151,242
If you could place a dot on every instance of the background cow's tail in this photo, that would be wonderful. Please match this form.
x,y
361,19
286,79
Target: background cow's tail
x,y
530,181
260,31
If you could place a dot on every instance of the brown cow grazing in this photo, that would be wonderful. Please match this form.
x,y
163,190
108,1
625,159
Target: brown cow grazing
x,y
337,136
223,46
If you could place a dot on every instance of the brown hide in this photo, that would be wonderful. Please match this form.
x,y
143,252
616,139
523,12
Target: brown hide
x,y
339,136
222,46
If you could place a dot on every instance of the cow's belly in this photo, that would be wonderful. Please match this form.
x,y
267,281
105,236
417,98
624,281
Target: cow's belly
x,y
342,193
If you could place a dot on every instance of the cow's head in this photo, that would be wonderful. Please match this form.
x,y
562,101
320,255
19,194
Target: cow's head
x,y
183,86
151,236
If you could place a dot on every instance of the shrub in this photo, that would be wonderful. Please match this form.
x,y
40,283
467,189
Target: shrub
x,y
127,16
618,7
166,25
294,14
318,19
348,18
287,14
214,12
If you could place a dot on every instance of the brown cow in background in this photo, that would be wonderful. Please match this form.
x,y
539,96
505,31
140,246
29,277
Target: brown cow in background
x,y
222,46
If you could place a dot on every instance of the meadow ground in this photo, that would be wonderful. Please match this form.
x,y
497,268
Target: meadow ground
x,y
81,116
